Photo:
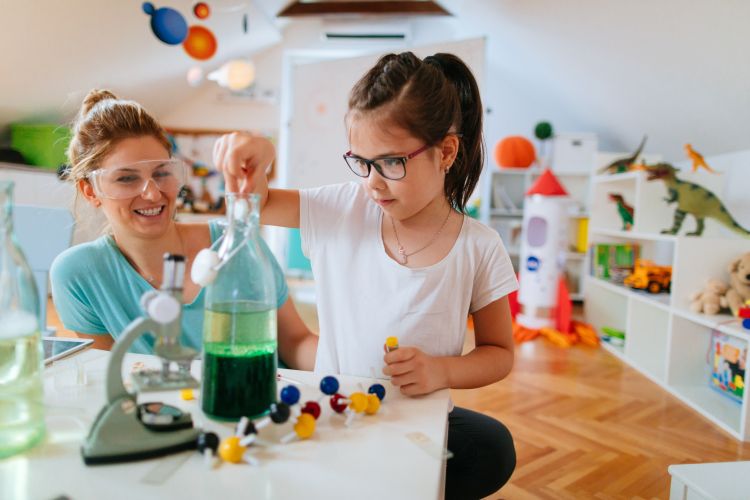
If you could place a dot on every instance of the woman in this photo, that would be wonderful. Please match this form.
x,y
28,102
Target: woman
x,y
120,163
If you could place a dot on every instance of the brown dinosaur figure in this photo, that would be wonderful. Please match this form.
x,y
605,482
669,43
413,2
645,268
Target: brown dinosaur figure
x,y
623,164
697,158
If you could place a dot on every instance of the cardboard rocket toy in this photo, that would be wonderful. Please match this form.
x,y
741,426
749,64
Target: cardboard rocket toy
x,y
542,296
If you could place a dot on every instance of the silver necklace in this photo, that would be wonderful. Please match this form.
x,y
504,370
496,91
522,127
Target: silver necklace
x,y
404,257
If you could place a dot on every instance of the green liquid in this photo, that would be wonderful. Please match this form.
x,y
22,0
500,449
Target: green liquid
x,y
239,365
21,396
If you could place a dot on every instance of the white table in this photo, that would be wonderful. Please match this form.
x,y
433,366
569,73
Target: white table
x,y
714,481
373,458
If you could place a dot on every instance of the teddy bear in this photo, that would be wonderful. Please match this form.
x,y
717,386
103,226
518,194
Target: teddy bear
x,y
709,300
739,283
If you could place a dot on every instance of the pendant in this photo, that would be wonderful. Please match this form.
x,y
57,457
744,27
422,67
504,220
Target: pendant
x,y
402,253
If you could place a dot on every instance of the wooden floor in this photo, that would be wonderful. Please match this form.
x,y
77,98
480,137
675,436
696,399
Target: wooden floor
x,y
587,426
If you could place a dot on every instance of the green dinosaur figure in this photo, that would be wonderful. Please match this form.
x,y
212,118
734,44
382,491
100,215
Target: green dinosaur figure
x,y
691,199
626,211
623,164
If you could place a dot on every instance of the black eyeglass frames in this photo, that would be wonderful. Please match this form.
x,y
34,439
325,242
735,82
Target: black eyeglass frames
x,y
391,167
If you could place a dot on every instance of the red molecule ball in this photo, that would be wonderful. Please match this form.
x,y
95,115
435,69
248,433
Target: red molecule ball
x,y
201,10
338,407
312,408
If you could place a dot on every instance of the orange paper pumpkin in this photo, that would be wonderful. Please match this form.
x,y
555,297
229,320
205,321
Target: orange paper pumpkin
x,y
514,152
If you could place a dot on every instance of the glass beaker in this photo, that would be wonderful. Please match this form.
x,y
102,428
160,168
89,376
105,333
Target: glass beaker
x,y
21,396
239,329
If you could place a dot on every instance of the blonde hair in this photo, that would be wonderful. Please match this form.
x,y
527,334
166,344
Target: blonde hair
x,y
102,122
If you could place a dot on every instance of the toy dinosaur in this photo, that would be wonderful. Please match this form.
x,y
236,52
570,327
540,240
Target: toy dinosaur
x,y
625,210
697,158
623,164
692,199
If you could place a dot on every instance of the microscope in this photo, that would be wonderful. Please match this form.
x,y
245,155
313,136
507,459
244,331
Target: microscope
x,y
125,430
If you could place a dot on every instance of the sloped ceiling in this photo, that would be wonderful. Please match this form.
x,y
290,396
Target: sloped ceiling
x,y
54,51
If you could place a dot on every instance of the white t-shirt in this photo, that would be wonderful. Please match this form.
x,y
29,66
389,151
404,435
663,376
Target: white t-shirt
x,y
365,296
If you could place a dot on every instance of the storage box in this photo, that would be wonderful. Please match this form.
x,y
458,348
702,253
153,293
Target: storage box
x,y
43,145
574,152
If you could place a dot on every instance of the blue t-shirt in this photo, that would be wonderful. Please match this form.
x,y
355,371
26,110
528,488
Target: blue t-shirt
x,y
97,291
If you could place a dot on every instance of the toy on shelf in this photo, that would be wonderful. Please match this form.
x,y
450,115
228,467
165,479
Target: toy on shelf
x,y
729,356
739,283
691,199
697,159
515,152
613,261
744,314
648,276
708,300
624,164
625,210
613,336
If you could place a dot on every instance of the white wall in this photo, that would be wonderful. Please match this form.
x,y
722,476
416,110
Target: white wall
x,y
672,69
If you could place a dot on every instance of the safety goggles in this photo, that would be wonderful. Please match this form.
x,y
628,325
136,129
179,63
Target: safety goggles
x,y
129,181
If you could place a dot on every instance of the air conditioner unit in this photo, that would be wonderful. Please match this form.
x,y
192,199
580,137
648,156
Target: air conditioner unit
x,y
369,31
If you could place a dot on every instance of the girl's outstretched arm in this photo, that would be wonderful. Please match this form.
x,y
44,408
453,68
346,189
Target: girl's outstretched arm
x,y
243,159
297,344
491,360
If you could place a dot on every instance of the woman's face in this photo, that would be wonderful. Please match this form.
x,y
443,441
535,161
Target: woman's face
x,y
424,181
134,188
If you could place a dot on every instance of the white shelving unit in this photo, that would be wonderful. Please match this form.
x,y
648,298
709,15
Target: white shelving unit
x,y
505,214
664,340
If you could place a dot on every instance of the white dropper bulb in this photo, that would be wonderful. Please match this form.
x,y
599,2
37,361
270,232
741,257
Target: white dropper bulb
x,y
204,269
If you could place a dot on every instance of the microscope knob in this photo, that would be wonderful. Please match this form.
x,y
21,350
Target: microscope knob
x,y
163,308
203,271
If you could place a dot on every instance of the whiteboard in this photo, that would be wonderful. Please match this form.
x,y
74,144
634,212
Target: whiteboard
x,y
318,93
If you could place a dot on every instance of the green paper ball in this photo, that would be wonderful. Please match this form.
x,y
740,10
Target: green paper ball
x,y
543,130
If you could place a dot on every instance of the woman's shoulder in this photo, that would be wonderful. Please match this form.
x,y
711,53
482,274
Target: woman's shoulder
x,y
480,234
82,257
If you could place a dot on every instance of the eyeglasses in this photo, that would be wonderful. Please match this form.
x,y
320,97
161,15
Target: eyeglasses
x,y
129,181
391,167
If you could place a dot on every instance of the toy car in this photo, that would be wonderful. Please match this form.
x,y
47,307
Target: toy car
x,y
648,276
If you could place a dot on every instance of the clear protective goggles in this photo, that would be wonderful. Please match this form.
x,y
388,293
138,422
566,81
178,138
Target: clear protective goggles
x,y
129,181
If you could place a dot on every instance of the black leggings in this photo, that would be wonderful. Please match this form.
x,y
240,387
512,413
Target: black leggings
x,y
483,455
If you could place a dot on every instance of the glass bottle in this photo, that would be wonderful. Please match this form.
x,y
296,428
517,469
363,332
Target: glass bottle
x,y
239,329
21,399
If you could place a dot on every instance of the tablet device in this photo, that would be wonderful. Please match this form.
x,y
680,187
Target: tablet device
x,y
59,347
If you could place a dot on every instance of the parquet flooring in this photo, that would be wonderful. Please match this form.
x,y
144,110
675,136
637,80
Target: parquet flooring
x,y
586,425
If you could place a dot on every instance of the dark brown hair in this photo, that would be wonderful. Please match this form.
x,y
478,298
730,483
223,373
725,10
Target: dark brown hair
x,y
430,98
102,122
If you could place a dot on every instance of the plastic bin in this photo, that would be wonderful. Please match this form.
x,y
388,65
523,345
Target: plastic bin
x,y
41,144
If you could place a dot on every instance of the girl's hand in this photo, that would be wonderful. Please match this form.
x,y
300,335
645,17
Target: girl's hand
x,y
243,159
415,372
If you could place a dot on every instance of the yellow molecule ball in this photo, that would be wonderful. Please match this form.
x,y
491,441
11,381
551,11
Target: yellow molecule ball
x,y
373,404
230,450
391,342
359,402
305,426
187,394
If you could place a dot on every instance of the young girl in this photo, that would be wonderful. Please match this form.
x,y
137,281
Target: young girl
x,y
394,254
120,163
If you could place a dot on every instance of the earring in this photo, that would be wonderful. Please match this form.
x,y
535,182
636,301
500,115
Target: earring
x,y
97,203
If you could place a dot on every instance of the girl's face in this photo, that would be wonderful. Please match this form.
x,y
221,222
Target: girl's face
x,y
134,162
423,184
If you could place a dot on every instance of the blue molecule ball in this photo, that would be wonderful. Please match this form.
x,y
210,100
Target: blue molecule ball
x,y
378,390
290,395
329,385
167,24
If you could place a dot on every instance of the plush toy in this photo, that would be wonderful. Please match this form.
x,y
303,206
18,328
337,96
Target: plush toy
x,y
708,300
739,283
